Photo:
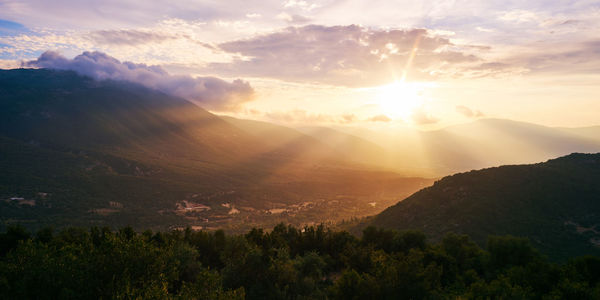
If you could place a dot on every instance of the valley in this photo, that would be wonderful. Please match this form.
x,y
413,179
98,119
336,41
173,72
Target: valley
x,y
138,157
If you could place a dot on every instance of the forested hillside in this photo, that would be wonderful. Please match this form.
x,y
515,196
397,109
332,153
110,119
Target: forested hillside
x,y
556,204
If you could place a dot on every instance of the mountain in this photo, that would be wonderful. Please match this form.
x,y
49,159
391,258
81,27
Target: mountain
x,y
556,204
79,151
350,146
591,133
317,141
280,139
63,108
479,144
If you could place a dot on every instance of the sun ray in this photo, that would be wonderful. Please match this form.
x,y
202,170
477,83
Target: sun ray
x,y
410,59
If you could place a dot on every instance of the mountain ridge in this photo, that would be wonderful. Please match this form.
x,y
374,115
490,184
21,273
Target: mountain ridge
x,y
556,204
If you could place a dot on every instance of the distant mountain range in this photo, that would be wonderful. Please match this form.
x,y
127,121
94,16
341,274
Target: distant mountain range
x,y
78,151
479,144
556,204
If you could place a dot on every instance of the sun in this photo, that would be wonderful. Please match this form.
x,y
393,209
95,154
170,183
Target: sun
x,y
399,99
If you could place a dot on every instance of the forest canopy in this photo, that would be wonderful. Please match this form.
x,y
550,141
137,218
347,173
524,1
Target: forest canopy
x,y
283,263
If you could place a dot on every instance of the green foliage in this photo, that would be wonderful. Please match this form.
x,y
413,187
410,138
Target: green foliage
x,y
12,237
554,204
284,263
507,251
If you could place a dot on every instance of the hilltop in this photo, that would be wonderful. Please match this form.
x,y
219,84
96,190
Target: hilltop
x,y
556,204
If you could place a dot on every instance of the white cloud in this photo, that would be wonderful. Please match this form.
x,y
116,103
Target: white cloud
x,y
519,16
210,92
129,37
253,15
469,113
421,117
302,4
379,118
9,64
482,29
293,19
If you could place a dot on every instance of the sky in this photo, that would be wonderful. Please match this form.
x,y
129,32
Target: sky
x,y
376,64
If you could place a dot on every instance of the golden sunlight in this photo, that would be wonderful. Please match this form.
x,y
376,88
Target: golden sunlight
x,y
399,99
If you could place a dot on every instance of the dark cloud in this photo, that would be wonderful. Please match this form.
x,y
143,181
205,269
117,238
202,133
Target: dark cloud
x,y
345,55
128,37
379,118
469,113
209,92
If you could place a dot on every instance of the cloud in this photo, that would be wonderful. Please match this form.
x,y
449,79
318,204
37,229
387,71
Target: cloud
x,y
253,15
293,19
379,118
467,112
209,92
301,4
9,64
348,118
347,55
519,16
582,58
483,29
300,116
128,37
100,14
421,117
